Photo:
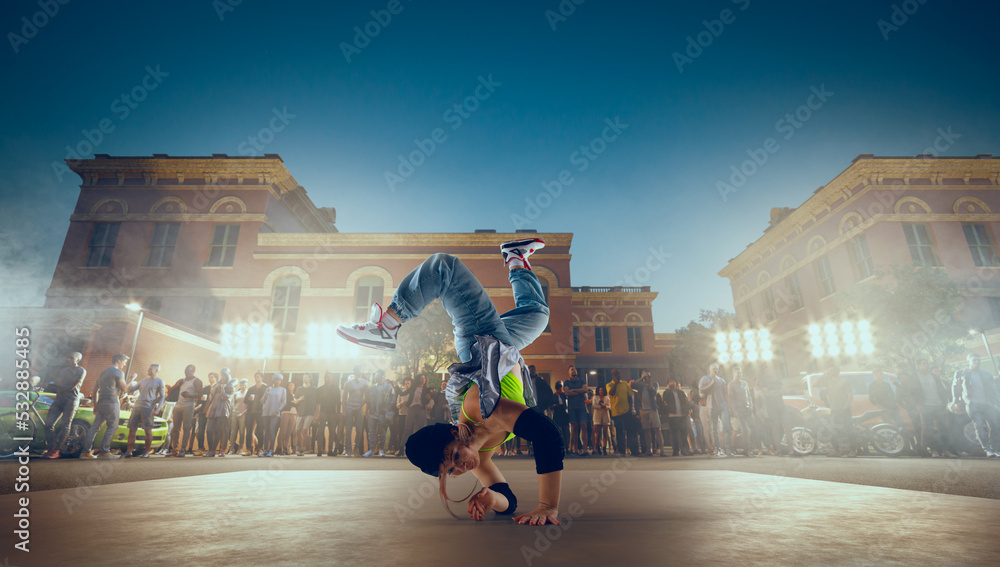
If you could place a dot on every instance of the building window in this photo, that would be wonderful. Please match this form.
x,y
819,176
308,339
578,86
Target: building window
x,y
152,304
825,276
161,245
223,248
748,309
770,312
995,310
635,339
208,315
861,257
576,339
602,339
368,290
102,243
794,292
921,248
285,303
981,245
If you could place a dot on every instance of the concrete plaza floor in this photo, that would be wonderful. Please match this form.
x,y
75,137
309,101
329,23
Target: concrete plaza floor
x,y
615,516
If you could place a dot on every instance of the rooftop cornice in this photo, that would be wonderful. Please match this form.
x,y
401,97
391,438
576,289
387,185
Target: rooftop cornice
x,y
864,173
221,170
357,239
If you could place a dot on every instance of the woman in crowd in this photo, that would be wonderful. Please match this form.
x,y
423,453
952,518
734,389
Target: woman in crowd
x,y
602,420
273,399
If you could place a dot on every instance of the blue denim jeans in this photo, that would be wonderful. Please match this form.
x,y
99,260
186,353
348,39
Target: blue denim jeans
x,y
62,407
984,419
472,311
104,414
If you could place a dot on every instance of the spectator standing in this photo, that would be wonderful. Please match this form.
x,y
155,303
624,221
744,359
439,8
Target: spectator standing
x,y
237,423
974,388
602,420
218,411
286,425
438,410
328,400
417,398
714,389
840,398
649,413
676,403
930,396
254,426
305,406
883,394
152,396
741,402
620,392
68,383
396,439
355,395
560,411
777,414
272,401
381,406
189,390
107,408
575,390
201,417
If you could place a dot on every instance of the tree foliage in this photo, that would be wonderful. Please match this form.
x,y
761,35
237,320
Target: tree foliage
x,y
695,348
425,345
914,314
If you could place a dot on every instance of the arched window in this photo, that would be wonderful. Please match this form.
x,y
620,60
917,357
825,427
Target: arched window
x,y
285,303
545,293
369,290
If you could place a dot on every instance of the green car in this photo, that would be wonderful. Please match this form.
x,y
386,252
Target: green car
x,y
32,408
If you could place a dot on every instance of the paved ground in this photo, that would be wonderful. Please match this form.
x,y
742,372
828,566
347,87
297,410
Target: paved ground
x,y
688,511
615,515
977,477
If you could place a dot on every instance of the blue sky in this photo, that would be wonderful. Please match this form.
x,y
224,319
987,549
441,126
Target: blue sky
x,y
682,123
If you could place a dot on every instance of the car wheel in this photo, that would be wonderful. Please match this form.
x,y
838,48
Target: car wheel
x,y
74,440
804,442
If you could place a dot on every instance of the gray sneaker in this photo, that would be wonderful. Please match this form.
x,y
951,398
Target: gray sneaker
x,y
108,455
374,333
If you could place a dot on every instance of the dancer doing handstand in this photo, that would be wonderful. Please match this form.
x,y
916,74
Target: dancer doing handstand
x,y
490,389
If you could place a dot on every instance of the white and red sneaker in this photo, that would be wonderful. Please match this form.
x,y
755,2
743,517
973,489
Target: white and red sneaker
x,y
378,333
517,251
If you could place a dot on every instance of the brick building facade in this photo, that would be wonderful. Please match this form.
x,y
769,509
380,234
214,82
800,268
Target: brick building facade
x,y
880,211
211,244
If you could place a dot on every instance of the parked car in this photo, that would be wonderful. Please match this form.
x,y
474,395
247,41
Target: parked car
x,y
38,410
816,395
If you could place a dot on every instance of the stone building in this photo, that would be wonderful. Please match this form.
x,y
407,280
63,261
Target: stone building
x,y
925,210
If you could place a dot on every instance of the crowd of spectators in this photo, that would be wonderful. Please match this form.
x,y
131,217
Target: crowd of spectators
x,y
367,414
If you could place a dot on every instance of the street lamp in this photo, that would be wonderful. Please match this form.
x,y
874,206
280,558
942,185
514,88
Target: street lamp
x,y
135,340
987,343
847,338
751,345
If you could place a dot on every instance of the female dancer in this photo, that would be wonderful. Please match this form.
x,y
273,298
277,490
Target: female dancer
x,y
490,390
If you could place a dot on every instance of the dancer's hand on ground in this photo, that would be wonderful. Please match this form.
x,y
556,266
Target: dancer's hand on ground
x,y
481,503
540,516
